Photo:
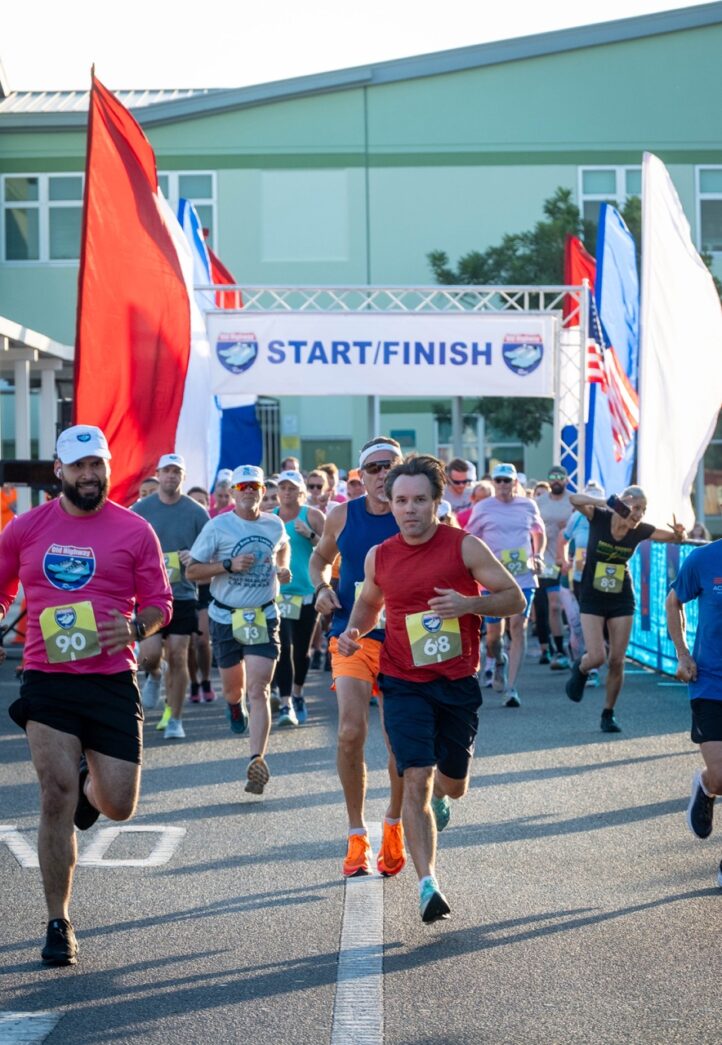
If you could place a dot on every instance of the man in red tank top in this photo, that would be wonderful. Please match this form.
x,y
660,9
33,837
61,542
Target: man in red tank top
x,y
428,578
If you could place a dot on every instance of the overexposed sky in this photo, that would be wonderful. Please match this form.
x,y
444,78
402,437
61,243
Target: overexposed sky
x,y
47,45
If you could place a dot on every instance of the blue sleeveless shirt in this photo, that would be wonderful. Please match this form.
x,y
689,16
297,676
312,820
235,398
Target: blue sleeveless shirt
x,y
361,532
301,549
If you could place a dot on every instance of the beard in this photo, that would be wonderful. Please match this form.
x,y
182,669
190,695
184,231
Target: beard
x,y
87,502
557,488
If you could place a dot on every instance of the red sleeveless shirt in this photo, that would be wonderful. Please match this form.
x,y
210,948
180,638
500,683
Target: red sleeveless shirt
x,y
407,575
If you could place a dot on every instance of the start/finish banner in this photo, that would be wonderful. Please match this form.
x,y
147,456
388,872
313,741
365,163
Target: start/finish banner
x,y
382,353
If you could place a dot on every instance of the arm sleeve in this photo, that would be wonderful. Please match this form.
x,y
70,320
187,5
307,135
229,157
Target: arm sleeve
x,y
151,580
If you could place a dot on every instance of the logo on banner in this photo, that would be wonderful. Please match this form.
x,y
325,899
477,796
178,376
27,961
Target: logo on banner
x,y
68,567
237,352
523,352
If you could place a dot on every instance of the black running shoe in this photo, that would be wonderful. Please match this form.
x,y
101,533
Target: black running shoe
x,y
61,947
609,723
85,813
700,810
545,657
576,683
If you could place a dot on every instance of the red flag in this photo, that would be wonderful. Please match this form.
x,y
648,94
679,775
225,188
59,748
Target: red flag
x,y
578,266
219,276
133,324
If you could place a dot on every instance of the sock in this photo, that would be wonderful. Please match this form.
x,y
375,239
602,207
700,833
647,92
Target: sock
x,y
253,756
708,793
490,662
358,831
206,685
388,820
194,688
431,879
559,643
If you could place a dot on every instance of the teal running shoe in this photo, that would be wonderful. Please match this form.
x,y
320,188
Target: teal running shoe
x,y
433,905
441,808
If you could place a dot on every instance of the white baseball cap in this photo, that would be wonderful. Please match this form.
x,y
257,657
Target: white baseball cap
x,y
504,471
81,441
171,459
224,477
292,476
247,473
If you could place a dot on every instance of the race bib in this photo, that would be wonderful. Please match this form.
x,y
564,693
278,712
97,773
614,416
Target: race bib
x,y
515,560
173,566
289,606
550,572
250,627
580,557
432,639
358,585
69,632
609,577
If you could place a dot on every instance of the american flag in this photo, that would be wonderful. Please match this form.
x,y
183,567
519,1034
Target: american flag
x,y
604,368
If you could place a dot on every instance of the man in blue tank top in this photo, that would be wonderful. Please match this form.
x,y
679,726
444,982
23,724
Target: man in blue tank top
x,y
350,530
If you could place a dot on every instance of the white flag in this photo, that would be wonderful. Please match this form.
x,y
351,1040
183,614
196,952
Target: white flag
x,y
681,352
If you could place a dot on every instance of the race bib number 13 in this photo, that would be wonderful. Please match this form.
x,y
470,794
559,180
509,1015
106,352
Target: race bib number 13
x,y
432,639
69,632
249,626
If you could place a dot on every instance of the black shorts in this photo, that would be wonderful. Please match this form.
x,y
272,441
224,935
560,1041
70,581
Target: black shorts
x,y
432,723
706,720
605,606
184,620
230,652
103,711
204,597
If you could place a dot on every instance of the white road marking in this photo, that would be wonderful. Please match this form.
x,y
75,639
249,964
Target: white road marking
x,y
100,841
26,1028
358,1014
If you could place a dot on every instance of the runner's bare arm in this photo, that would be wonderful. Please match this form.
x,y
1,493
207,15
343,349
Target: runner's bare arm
x,y
117,633
366,609
674,534
203,572
506,597
283,557
676,625
322,557
585,504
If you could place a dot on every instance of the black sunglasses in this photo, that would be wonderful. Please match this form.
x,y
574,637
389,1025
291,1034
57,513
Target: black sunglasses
x,y
314,486
374,467
501,479
460,482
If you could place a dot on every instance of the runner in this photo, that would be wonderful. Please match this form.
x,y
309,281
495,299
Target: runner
x,y
607,596
244,554
147,487
351,529
177,520
354,485
84,563
460,478
699,580
304,527
512,527
555,509
222,499
200,657
428,577
575,535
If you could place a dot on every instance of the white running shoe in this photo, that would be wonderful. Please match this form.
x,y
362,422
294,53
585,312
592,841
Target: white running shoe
x,y
151,692
174,730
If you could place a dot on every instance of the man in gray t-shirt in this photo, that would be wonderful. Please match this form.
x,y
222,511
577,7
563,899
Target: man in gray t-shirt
x,y
177,521
244,556
555,509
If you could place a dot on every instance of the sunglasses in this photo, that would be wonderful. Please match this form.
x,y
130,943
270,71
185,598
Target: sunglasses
x,y
501,479
374,467
460,482
248,486
557,477
314,486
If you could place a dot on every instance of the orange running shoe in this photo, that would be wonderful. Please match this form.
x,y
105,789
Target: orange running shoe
x,y
358,858
392,855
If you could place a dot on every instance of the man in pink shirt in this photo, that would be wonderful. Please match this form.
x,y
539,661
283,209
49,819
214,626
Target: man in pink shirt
x,y
513,529
85,565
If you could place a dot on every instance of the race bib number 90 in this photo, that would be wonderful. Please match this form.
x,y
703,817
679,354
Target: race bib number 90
x,y
69,632
609,577
249,626
173,566
432,639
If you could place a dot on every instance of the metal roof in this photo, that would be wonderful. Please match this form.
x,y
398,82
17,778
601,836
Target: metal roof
x,y
67,109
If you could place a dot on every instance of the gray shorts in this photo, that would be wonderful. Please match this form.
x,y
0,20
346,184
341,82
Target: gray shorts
x,y
229,652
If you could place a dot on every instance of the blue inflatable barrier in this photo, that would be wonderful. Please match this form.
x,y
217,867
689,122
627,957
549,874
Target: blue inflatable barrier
x,y
653,568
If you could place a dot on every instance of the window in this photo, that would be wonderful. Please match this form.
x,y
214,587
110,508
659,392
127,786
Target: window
x,y
197,186
613,185
41,217
709,202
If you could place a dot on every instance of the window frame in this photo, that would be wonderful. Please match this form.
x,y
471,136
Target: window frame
x,y
173,196
43,205
700,197
620,172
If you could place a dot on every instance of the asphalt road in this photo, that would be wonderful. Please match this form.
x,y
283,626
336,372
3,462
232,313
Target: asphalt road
x,y
582,909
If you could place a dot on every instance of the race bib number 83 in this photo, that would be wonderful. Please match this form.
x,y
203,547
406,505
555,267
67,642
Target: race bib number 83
x,y
69,632
432,639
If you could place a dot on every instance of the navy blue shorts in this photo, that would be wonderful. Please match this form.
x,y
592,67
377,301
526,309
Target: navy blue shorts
x,y
229,652
432,723
706,720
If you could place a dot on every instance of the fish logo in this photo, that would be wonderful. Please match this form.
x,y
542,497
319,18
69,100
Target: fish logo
x,y
431,622
65,617
522,353
84,437
249,616
237,352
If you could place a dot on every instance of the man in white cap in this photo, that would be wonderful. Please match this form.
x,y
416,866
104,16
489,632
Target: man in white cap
x,y
177,520
512,527
245,554
85,565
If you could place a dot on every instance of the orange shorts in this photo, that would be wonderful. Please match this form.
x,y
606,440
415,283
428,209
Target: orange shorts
x,y
363,664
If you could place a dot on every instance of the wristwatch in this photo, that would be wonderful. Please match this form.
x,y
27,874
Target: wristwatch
x,y
140,630
227,565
